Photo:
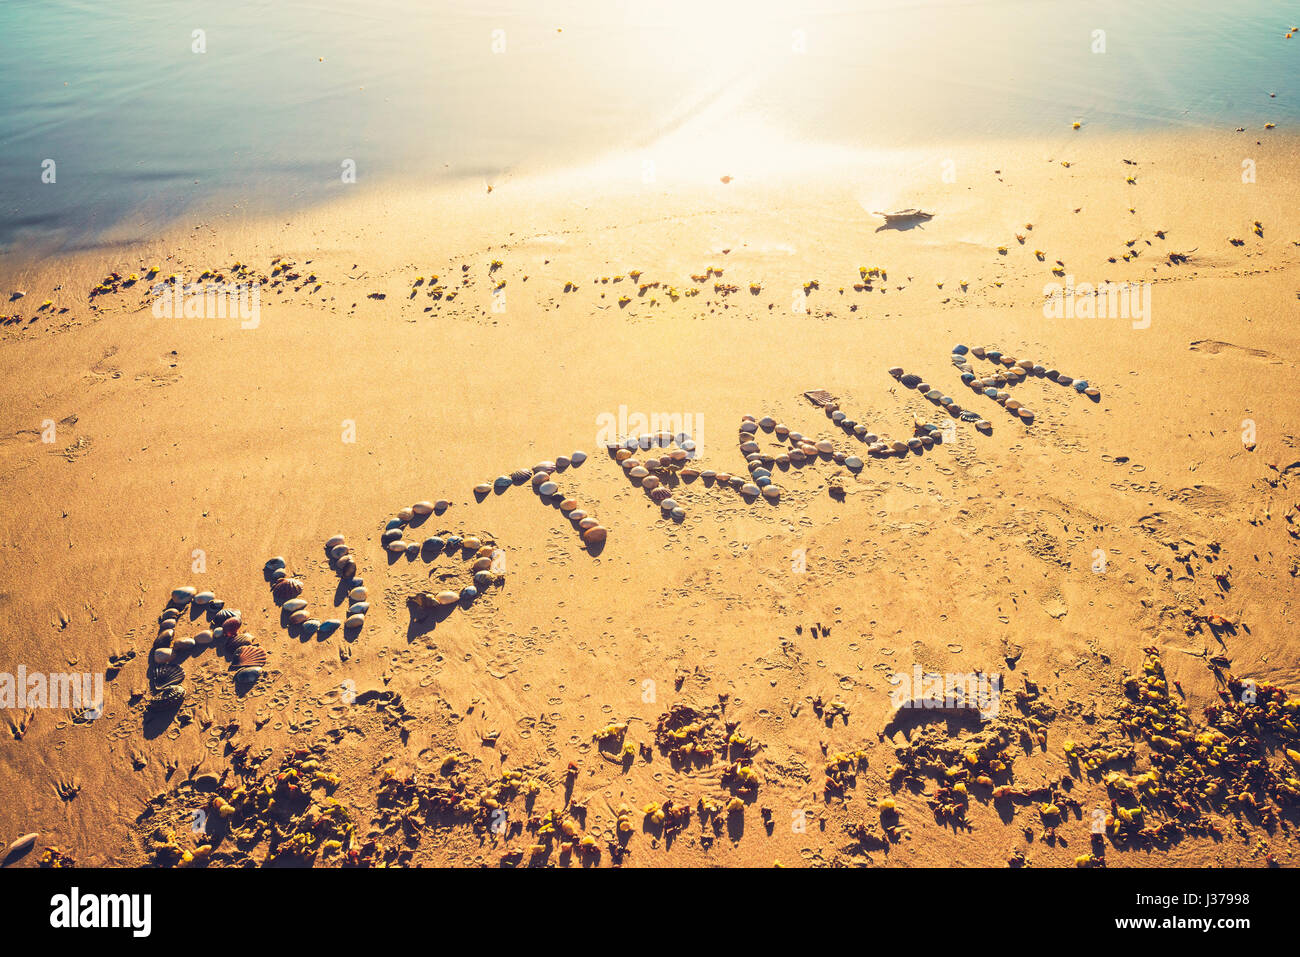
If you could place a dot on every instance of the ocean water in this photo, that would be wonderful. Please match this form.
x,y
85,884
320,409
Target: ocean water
x,y
149,112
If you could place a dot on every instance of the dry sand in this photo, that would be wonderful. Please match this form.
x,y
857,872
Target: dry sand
x,y
177,435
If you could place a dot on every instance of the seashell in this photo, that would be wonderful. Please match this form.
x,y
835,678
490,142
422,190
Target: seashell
x,y
747,448
547,467
849,425
218,634
622,455
688,474
900,447
771,493
577,515
182,645
397,546
797,456
405,514
311,626
247,676
749,489
578,457
767,423
659,494
233,624
923,387
481,564
978,352
795,438
960,349
708,475
434,544
482,488
422,508
520,476
502,482
547,489
287,588
169,696
748,428
163,656
839,458
412,550
204,638
896,371
991,392
251,657
984,425
1025,364
1092,392
298,617
441,505
390,535
911,380
568,505
482,579
1064,380
724,477
561,463
588,522
354,622
915,444
650,482
1013,404
203,597
781,430
639,472
595,534
934,395
165,675
447,597
678,513
468,593
825,447
838,416
329,626
1051,374
329,543
853,462
993,355
1026,415
238,641
668,504
357,594
679,455
471,543
782,459
1080,385
346,566
183,596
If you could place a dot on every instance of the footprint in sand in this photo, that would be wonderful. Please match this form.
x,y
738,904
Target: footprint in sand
x,y
1216,347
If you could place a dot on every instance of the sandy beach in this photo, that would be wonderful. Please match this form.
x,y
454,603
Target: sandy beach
x,y
718,688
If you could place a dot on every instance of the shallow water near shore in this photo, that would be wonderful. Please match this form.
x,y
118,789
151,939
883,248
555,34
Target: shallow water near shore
x,y
286,98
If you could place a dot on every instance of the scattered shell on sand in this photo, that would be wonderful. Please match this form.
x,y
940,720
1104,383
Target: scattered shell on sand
x,y
248,676
357,594
578,457
354,622
163,656
405,514
482,488
650,482
183,596
597,533
251,657
639,472
422,508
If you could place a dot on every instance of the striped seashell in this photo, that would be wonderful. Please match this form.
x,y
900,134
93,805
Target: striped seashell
x,y
520,476
659,495
595,535
561,463
165,675
287,588
239,641
251,657
166,697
